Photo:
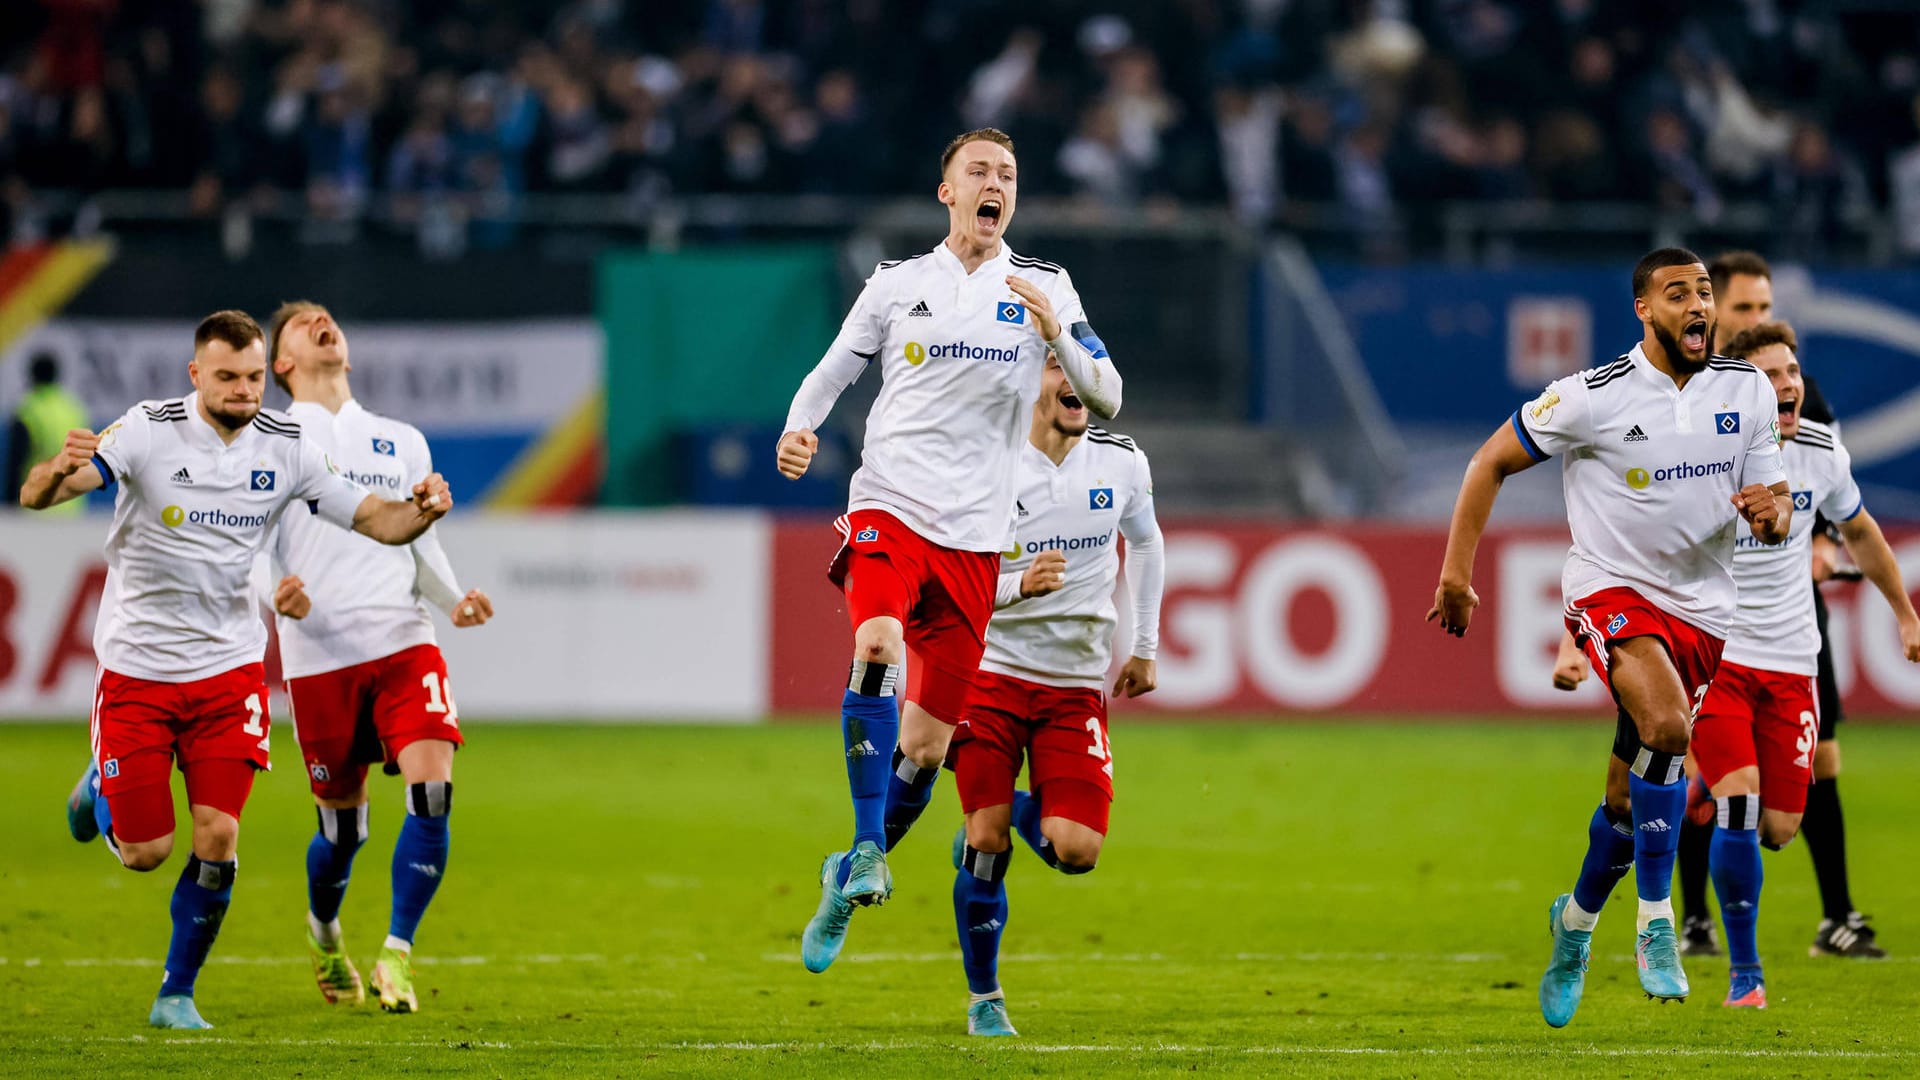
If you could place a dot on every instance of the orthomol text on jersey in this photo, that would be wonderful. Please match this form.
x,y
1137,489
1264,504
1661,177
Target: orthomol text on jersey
x,y
1065,543
173,517
1639,479
917,354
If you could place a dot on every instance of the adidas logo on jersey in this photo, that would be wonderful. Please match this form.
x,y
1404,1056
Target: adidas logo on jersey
x,y
920,311
181,477
1635,435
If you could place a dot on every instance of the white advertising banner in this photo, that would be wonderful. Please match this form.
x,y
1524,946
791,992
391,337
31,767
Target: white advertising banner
x,y
437,376
642,616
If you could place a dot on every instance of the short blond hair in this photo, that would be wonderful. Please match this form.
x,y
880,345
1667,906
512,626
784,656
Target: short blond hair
x,y
283,315
985,134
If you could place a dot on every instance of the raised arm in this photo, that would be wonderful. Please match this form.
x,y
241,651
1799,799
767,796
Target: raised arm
x,y
67,475
1083,356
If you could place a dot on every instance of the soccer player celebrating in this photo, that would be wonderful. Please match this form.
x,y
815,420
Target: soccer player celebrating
x,y
365,680
1665,450
960,335
1755,736
202,479
1038,693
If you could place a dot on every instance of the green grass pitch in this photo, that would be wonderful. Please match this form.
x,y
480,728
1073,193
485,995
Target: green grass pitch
x,y
1299,899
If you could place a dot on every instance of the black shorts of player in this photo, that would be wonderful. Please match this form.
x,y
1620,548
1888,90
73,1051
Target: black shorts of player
x,y
1825,685
1626,737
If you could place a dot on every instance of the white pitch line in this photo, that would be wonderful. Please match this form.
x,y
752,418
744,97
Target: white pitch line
x,y
1784,1053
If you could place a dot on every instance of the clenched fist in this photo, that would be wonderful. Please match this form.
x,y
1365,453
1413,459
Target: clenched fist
x,y
1047,574
433,497
795,453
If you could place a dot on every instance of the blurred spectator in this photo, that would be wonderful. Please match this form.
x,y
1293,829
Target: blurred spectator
x,y
1257,103
1816,189
40,424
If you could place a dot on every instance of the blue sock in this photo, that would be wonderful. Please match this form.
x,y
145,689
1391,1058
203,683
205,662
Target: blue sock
x,y
869,720
1609,857
1735,861
909,791
200,900
1026,822
980,914
330,858
1658,809
419,856
102,816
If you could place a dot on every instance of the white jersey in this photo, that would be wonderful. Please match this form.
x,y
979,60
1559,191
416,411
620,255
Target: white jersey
x,y
1101,490
960,366
365,601
1650,470
1775,628
190,514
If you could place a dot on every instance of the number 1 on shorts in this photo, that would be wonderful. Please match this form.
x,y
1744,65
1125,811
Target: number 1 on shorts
x,y
440,696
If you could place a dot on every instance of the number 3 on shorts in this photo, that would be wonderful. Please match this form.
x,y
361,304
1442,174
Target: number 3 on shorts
x,y
440,697
253,726
1100,748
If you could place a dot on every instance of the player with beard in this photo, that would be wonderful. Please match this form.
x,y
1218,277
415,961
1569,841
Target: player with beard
x,y
1665,451
1038,694
960,335
202,480
365,679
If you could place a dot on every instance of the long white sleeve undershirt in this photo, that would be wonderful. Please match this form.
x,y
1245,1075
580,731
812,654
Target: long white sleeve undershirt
x,y
433,573
1146,578
1094,379
822,388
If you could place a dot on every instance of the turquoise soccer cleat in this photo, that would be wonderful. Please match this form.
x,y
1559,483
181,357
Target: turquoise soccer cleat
x,y
176,1012
1658,952
868,881
1566,977
989,1018
827,931
80,820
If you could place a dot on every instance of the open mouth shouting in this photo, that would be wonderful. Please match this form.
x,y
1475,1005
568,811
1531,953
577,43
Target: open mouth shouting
x,y
1693,338
986,217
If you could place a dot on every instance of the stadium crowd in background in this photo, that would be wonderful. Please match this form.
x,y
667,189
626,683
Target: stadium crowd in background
x,y
1376,108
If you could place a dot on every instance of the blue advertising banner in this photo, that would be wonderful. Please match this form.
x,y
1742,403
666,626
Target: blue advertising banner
x,y
1462,348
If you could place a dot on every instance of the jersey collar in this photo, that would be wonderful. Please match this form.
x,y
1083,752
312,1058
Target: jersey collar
x,y
944,255
201,431
318,411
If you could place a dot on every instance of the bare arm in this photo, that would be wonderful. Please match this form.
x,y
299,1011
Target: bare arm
x,y
66,475
1499,457
401,521
1870,552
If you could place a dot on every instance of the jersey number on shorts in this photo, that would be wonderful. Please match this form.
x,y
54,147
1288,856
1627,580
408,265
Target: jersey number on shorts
x,y
1809,735
440,697
1100,748
253,726
1699,699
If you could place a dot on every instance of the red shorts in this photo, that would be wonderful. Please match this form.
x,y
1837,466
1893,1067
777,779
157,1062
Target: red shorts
x,y
210,725
942,597
1618,613
350,718
1765,718
1061,730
